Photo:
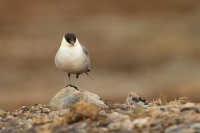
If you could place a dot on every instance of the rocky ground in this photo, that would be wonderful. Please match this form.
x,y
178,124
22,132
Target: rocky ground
x,y
135,115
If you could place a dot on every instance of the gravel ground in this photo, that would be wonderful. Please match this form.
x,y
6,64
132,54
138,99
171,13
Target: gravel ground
x,y
173,117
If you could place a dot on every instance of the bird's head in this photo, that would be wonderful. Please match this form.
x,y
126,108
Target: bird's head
x,y
70,38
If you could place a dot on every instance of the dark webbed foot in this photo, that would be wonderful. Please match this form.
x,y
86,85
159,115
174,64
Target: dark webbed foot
x,y
69,85
76,87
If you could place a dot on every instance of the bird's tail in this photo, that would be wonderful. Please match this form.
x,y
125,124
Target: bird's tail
x,y
89,76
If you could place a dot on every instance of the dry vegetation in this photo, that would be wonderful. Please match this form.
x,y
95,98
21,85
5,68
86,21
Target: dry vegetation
x,y
82,111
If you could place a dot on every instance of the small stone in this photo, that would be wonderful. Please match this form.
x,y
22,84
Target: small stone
x,y
171,128
163,109
140,122
131,99
134,100
140,103
103,129
189,105
125,117
24,108
119,122
127,125
29,119
45,110
2,113
54,113
20,112
122,126
63,112
37,107
188,130
196,126
183,100
114,126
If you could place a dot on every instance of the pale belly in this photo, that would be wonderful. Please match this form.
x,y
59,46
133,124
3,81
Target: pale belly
x,y
72,61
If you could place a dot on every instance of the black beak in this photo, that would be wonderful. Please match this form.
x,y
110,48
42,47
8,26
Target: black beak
x,y
72,43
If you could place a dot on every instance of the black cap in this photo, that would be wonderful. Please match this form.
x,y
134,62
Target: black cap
x,y
70,38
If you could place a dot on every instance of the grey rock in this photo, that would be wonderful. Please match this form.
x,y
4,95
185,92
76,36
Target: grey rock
x,y
190,106
172,128
125,125
140,122
119,122
45,110
196,126
68,96
70,100
134,100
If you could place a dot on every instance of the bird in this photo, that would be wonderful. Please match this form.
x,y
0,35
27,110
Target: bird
x,y
72,57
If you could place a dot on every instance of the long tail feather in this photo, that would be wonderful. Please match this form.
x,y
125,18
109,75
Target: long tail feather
x,y
89,76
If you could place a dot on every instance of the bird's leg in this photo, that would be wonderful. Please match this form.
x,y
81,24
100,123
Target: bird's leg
x,y
68,81
76,87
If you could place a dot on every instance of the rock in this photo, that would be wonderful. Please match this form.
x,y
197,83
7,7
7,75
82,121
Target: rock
x,y
68,96
121,126
189,105
131,99
37,107
171,128
2,112
134,100
121,122
24,108
183,100
45,110
196,126
179,129
140,122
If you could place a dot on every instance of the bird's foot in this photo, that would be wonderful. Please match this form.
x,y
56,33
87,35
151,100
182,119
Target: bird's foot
x,y
76,87
69,85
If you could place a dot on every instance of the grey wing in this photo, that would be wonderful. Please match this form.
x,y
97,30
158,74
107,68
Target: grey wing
x,y
86,53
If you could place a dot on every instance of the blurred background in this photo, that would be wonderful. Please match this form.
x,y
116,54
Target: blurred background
x,y
147,47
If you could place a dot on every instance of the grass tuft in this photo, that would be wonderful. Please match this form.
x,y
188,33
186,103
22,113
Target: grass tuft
x,y
81,111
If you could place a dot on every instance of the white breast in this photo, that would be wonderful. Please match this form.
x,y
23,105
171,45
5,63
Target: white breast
x,y
72,60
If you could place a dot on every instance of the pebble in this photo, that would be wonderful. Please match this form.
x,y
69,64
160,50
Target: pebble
x,y
54,113
45,110
196,126
141,122
2,112
171,128
24,108
122,126
189,105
